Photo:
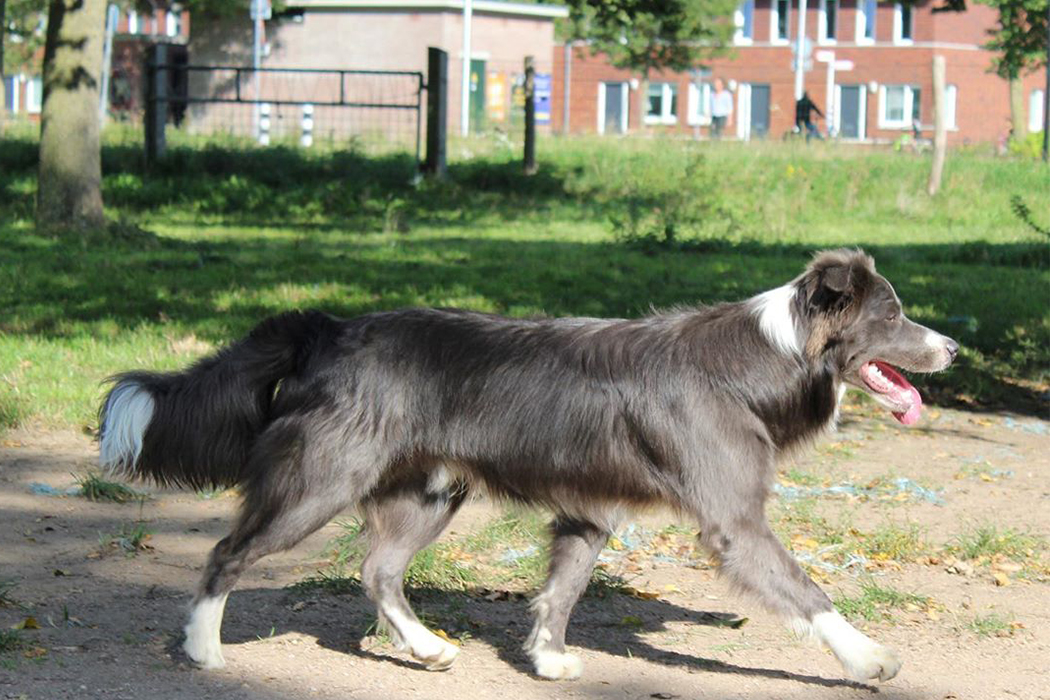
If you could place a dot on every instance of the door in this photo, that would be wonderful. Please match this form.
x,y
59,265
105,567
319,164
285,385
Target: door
x,y
477,95
759,111
851,125
614,109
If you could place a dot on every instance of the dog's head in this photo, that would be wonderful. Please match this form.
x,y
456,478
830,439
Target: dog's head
x,y
856,323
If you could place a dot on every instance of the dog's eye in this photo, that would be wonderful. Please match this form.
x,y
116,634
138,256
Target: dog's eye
x,y
892,317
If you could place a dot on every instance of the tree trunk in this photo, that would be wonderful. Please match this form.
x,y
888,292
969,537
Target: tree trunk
x,y
3,75
1018,119
69,186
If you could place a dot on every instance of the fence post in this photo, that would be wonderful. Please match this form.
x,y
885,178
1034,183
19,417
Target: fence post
x,y
437,111
156,114
530,116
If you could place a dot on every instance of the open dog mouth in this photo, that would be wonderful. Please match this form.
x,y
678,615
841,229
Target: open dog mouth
x,y
893,390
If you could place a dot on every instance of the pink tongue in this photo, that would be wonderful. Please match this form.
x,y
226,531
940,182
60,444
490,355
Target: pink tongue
x,y
912,414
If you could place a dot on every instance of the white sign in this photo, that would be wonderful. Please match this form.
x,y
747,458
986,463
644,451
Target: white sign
x,y
844,65
825,56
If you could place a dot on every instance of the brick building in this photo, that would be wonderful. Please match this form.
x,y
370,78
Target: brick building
x,y
888,90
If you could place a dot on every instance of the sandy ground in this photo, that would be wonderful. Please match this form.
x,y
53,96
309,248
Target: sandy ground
x,y
110,624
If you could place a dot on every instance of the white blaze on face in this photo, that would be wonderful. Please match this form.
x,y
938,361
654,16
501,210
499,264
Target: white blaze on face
x,y
773,309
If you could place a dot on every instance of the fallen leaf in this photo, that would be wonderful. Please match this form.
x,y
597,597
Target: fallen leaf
x,y
631,621
1001,579
34,652
444,635
615,544
29,623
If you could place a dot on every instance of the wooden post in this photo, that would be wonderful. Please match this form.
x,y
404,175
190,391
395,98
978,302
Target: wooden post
x,y
530,116
437,112
156,116
940,126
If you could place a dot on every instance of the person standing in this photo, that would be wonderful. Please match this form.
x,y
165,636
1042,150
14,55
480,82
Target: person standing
x,y
804,109
721,109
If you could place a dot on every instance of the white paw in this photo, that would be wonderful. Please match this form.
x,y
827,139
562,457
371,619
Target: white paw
x,y
877,662
203,653
555,666
440,657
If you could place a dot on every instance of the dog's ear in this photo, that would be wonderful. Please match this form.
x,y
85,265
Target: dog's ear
x,y
834,279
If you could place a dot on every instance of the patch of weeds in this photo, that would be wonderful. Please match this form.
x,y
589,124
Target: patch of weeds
x,y
441,566
328,581
987,542
348,548
603,583
94,488
130,539
10,640
892,542
512,527
877,602
6,600
799,523
992,625
798,477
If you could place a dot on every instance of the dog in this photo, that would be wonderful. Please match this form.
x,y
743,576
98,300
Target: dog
x,y
402,414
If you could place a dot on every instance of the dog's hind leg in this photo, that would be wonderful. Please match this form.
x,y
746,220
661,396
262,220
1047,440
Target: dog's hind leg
x,y
574,550
755,561
400,522
294,495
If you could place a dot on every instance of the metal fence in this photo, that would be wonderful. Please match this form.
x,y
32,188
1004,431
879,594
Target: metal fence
x,y
377,110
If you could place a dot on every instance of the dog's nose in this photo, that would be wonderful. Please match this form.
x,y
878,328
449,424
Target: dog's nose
x,y
953,349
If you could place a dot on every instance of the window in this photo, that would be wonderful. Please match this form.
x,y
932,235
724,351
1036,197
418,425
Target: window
x,y
34,94
903,23
173,21
866,21
900,106
1036,101
133,22
827,21
663,104
11,84
744,19
699,104
950,95
780,25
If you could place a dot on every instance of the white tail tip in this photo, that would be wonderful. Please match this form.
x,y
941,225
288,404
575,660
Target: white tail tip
x,y
125,418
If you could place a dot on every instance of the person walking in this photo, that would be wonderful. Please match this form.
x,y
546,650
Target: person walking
x,y
804,109
721,109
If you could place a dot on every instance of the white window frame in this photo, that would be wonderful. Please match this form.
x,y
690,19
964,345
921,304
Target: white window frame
x,y
739,21
14,89
905,123
173,21
34,94
862,108
822,22
666,116
134,25
951,103
898,25
1036,105
861,23
774,22
699,113
625,102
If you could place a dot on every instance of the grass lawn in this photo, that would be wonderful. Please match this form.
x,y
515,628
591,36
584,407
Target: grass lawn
x,y
607,228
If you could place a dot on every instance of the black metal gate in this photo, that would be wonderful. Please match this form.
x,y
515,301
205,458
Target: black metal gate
x,y
377,109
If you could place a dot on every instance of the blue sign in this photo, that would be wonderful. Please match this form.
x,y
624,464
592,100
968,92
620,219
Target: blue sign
x,y
541,98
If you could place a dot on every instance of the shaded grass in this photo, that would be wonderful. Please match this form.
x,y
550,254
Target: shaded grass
x,y
94,488
129,540
10,640
244,233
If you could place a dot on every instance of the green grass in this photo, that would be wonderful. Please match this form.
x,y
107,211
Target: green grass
x,y
129,540
10,640
892,542
991,625
875,602
246,232
989,541
94,488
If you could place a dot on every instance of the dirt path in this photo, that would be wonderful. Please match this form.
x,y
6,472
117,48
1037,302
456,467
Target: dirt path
x,y
108,623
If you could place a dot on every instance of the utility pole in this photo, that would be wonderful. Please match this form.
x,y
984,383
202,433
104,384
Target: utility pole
x,y
1046,94
800,47
464,104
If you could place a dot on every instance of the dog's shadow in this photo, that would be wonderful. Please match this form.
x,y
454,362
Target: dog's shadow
x,y
604,621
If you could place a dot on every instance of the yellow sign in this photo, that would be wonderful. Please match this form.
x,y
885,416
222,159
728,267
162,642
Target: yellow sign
x,y
496,99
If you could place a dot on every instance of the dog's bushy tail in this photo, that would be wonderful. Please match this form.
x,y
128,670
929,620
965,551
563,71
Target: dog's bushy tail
x,y
196,427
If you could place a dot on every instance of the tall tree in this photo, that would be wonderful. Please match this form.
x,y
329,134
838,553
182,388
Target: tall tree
x,y
69,184
650,35
1020,42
